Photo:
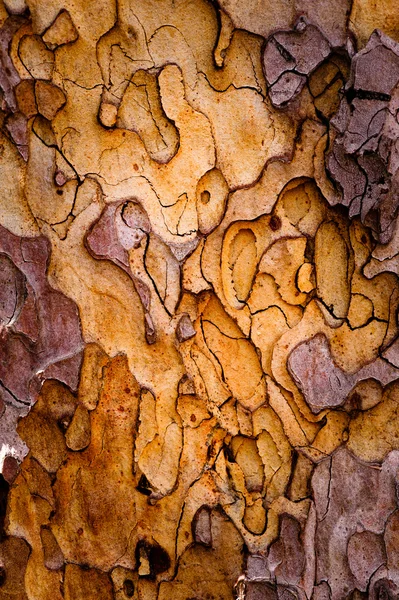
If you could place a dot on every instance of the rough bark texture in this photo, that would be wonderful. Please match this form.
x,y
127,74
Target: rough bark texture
x,y
199,253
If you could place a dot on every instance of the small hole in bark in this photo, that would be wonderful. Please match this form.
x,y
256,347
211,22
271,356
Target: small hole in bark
x,y
2,576
128,588
152,556
144,486
60,192
205,197
159,560
275,223
229,454
64,423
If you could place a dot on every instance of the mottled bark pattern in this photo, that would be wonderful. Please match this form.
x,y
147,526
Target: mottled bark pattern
x,y
199,255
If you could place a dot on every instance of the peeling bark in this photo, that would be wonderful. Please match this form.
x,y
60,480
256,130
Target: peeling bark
x,y
199,252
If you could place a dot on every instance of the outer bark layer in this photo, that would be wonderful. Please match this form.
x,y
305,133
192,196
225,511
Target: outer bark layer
x,y
199,299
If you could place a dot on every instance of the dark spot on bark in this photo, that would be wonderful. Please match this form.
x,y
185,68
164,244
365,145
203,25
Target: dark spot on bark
x,y
128,588
205,197
144,486
275,223
309,250
158,558
382,593
131,33
211,451
351,94
2,576
356,401
229,454
64,423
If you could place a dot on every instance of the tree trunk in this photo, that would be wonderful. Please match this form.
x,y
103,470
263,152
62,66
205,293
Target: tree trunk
x,y
199,298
